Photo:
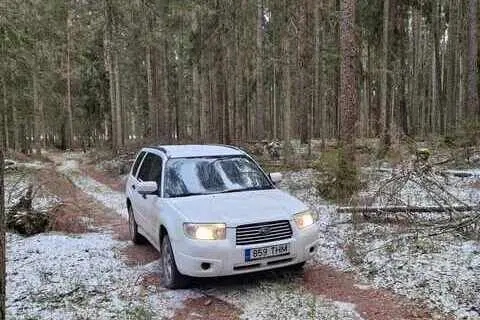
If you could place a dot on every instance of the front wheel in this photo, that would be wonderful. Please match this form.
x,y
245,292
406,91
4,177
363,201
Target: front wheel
x,y
297,267
172,278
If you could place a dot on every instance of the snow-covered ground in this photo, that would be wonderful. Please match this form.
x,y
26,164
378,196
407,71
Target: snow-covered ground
x,y
58,276
16,185
69,166
443,270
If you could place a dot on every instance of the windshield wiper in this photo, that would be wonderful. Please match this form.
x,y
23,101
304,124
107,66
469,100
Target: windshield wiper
x,y
187,194
247,189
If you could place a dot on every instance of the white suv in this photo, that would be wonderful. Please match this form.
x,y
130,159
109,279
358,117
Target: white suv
x,y
212,211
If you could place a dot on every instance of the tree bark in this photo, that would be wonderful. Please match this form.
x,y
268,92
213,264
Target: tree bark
x,y
118,103
260,108
36,109
451,67
2,238
384,121
399,209
152,116
287,89
69,116
348,101
472,108
4,141
108,33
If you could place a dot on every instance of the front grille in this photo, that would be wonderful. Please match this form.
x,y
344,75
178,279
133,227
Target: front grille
x,y
263,232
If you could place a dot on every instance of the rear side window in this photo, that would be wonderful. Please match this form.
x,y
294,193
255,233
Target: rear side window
x,y
137,163
151,169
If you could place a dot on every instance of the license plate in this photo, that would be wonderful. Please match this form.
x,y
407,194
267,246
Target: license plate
x,y
267,252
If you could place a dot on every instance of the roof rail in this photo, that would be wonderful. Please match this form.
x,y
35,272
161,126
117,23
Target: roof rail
x,y
228,146
160,149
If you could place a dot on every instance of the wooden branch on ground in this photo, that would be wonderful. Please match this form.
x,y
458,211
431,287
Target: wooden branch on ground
x,y
398,209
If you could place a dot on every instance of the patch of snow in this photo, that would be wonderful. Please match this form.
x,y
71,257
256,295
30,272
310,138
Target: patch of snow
x,y
442,271
109,198
282,299
16,185
54,276
32,165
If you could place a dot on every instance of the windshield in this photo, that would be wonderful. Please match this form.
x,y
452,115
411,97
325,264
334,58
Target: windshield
x,y
197,176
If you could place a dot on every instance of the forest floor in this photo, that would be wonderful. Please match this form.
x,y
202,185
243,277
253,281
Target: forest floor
x,y
87,268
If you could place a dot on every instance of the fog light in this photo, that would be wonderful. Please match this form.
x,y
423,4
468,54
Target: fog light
x,y
205,265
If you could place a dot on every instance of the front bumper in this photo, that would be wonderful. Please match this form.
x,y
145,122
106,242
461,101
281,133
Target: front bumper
x,y
204,258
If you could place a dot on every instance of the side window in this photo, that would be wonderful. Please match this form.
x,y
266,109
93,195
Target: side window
x,y
137,163
151,169
155,173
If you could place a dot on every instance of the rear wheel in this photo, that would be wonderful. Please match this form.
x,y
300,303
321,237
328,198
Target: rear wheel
x,y
172,278
136,237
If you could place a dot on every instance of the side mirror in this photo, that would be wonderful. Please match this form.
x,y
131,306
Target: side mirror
x,y
276,177
146,187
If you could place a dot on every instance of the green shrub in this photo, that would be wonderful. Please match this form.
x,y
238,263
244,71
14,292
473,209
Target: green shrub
x,y
337,177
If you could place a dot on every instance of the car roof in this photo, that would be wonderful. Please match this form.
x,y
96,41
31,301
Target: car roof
x,y
198,150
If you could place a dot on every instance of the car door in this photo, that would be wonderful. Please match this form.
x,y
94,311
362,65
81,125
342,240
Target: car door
x,y
151,170
131,181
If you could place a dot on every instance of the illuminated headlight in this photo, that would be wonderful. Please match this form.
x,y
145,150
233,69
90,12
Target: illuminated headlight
x,y
204,231
305,219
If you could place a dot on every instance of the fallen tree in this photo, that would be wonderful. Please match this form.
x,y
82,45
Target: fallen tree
x,y
418,195
407,209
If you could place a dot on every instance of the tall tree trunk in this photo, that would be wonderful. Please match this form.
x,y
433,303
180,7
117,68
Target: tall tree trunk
x,y
36,109
152,116
472,108
204,94
138,122
69,114
303,93
348,84
3,297
384,121
15,127
316,65
165,97
4,142
287,90
438,113
196,103
2,238
323,93
238,115
118,103
108,33
260,108
451,67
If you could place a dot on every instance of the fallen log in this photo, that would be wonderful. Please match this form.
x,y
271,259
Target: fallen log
x,y
416,209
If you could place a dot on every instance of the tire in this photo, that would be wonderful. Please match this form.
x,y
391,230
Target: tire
x,y
298,267
136,237
172,278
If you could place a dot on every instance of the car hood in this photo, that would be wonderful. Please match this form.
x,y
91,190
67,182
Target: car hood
x,y
238,207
